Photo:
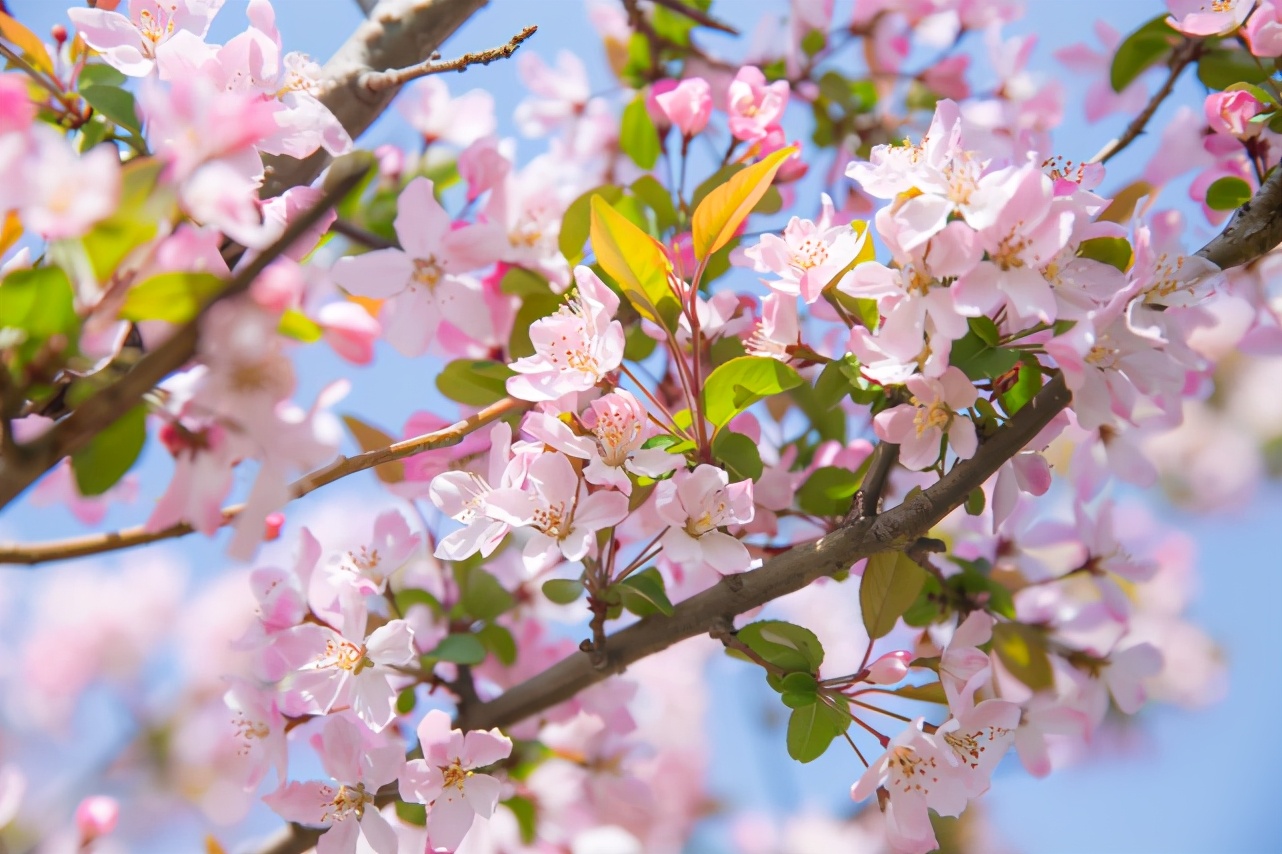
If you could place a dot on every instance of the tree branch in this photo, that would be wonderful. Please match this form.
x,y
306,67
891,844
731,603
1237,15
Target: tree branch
x,y
397,33
26,463
1253,230
376,81
1186,53
786,573
35,553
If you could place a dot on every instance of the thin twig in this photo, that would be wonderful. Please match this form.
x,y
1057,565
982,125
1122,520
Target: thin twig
x,y
354,232
1185,54
35,553
376,81
696,15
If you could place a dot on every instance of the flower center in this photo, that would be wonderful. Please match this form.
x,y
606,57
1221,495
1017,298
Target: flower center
x,y
708,521
970,746
427,272
936,415
454,775
348,800
345,655
155,29
909,770
616,437
811,253
553,520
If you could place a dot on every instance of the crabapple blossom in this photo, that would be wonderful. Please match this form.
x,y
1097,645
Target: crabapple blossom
x,y
809,256
753,105
149,38
920,426
464,496
575,348
1231,112
359,764
461,121
446,777
687,106
694,505
1203,18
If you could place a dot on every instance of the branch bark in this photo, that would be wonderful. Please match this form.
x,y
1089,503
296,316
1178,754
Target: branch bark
x,y
1254,229
36,553
397,34
786,573
378,80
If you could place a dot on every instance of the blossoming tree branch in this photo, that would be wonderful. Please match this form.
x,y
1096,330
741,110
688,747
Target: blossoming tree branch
x,y
821,324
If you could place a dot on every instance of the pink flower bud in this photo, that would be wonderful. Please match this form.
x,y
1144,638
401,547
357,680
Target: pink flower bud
x,y
890,668
753,105
657,114
1230,113
96,816
688,106
1264,30
272,525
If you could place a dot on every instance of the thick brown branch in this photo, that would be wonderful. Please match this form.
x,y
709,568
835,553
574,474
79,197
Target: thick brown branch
x,y
1184,54
376,81
398,33
1254,229
786,573
35,553
20,468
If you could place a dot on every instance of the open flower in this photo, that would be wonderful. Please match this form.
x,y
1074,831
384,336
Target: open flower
x,y
920,426
446,779
695,505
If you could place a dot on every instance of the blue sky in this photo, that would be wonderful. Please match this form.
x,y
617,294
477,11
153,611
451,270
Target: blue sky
x,y
1204,781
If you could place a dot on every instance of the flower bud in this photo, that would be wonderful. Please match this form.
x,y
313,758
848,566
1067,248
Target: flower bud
x,y
1230,113
96,816
687,106
890,668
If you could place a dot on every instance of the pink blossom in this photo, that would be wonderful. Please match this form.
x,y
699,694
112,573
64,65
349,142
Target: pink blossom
x,y
890,668
1207,17
561,93
59,487
446,777
260,727
917,777
137,44
688,105
778,332
753,105
1263,30
574,348
359,765
1230,113
350,330
695,505
420,281
96,816
963,667
564,516
1125,672
975,740
67,192
1100,99
463,496
427,106
809,255
370,567
350,670
919,426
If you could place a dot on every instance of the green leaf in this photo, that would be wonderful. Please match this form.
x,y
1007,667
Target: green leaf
x,y
405,701
461,649
134,221
890,585
828,491
1114,251
411,596
526,816
979,360
723,210
575,223
98,74
931,692
483,597
656,196
1026,386
926,608
1219,68
171,297
499,641
812,727
976,583
110,453
975,502
636,261
294,324
563,591
474,382
637,136
527,283
1228,193
1022,649
785,645
1141,50
39,301
986,329
116,104
643,594
733,387
410,813
738,454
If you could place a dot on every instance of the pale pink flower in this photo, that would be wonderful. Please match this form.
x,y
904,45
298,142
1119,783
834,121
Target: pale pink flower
x,y
564,515
560,93
963,667
618,428
975,740
1207,17
779,330
1100,99
1044,717
390,547
135,45
1263,30
350,670
420,281
889,669
687,106
463,496
68,192
695,505
350,330
574,348
1125,672
446,777
260,727
59,487
427,106
917,777
753,105
918,427
808,256
359,765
